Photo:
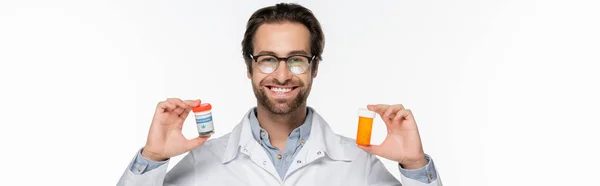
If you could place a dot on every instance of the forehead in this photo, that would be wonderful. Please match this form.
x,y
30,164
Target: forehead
x,y
281,38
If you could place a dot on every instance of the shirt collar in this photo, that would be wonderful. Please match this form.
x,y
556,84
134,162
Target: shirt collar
x,y
303,130
322,138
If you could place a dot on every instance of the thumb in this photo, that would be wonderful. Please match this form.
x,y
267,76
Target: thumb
x,y
378,108
373,149
196,142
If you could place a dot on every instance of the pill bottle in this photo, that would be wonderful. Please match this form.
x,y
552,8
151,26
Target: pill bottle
x,y
365,126
204,120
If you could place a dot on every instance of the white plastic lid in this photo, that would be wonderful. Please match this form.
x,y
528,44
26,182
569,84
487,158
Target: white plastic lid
x,y
362,112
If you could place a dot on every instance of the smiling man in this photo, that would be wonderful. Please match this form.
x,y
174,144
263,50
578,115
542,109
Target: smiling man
x,y
281,141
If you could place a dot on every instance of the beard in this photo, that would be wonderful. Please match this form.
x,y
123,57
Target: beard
x,y
281,106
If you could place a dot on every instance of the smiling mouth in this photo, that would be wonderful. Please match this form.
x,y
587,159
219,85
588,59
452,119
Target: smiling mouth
x,y
281,89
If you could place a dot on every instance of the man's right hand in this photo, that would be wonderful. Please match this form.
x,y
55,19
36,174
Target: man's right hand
x,y
165,139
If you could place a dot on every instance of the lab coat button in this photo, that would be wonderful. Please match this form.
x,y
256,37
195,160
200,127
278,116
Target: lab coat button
x,y
319,153
264,162
298,161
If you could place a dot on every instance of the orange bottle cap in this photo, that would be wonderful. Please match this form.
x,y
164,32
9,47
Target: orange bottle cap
x,y
202,107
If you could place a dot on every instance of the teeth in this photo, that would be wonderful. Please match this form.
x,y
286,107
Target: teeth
x,y
281,90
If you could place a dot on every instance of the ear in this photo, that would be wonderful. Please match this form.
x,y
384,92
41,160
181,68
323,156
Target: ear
x,y
248,72
314,73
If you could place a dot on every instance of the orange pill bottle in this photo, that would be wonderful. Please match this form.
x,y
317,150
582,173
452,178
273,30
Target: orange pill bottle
x,y
365,127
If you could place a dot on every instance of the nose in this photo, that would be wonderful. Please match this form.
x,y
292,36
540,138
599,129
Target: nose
x,y
282,73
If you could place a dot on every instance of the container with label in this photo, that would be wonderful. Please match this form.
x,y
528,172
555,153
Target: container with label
x,y
204,119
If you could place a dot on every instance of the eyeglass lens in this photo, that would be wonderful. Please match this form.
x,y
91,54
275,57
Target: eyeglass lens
x,y
296,64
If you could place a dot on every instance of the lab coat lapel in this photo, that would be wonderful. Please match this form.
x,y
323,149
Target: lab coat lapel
x,y
322,142
241,140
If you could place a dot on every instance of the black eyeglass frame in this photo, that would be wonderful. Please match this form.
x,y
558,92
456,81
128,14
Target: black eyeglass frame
x,y
279,59
255,58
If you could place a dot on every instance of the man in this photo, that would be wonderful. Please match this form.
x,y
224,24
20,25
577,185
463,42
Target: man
x,y
281,141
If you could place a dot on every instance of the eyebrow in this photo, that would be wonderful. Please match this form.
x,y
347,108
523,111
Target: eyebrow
x,y
295,52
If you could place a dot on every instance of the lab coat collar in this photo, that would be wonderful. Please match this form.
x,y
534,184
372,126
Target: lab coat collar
x,y
322,139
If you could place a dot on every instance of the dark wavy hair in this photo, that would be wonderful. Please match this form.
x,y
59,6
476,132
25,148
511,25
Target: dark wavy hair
x,y
284,12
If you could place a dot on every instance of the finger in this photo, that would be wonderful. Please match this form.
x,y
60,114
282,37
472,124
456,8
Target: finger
x,y
373,149
390,113
178,102
404,113
181,116
192,103
166,106
387,113
178,111
410,115
196,142
185,113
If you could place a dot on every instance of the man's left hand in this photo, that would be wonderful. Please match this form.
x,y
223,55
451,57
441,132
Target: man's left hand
x,y
402,143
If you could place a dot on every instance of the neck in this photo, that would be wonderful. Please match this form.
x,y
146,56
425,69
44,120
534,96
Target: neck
x,y
280,126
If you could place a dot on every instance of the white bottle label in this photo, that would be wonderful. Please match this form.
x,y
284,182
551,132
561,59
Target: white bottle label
x,y
204,122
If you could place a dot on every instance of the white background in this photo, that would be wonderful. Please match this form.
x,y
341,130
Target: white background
x,y
504,92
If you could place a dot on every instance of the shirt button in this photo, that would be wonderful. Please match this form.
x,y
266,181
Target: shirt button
x,y
139,169
302,140
262,132
278,156
264,162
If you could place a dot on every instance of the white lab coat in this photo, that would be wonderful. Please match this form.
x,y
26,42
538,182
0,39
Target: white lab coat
x,y
238,159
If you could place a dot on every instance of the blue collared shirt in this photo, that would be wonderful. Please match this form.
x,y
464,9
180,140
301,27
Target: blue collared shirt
x,y
283,160
295,141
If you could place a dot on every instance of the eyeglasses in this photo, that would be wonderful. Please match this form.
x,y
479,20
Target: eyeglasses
x,y
297,64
